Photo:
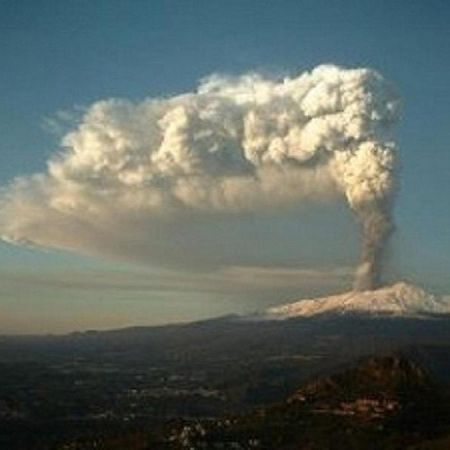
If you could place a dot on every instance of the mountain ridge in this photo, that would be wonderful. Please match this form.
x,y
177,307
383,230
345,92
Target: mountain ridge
x,y
400,299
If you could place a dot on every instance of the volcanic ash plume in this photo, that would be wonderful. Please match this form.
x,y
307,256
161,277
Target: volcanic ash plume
x,y
130,174
371,197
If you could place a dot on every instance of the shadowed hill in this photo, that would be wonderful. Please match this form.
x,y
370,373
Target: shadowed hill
x,y
382,403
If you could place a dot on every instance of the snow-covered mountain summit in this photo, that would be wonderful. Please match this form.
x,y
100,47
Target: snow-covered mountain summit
x,y
400,299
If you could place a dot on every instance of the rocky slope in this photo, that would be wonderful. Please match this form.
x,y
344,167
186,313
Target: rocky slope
x,y
387,403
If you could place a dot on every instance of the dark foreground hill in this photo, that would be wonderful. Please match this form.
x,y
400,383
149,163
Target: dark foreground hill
x,y
382,403
105,385
378,403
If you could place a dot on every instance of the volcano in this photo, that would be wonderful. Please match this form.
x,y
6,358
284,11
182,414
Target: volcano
x,y
399,299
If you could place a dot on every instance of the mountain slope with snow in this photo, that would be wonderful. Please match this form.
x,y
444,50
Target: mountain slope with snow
x,y
400,299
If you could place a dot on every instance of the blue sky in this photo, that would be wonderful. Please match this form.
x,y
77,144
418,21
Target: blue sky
x,y
59,56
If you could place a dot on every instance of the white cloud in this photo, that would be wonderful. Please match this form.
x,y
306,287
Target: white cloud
x,y
131,177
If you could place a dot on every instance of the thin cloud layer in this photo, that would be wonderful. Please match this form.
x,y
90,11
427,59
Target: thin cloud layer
x,y
131,177
252,282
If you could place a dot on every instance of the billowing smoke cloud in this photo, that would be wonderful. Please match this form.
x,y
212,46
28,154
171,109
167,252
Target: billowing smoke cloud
x,y
130,174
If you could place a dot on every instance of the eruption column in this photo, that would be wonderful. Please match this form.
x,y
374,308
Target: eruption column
x,y
128,174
